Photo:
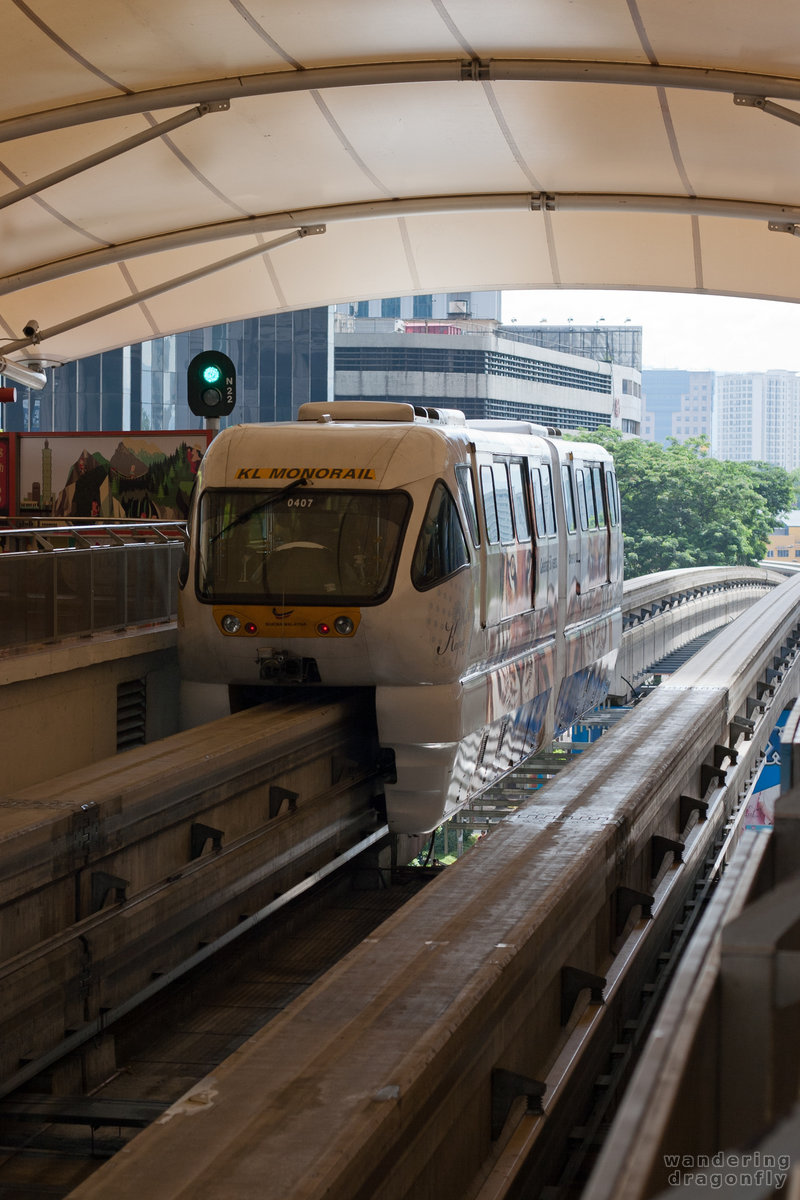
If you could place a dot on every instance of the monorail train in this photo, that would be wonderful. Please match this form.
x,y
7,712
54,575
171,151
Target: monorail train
x,y
469,571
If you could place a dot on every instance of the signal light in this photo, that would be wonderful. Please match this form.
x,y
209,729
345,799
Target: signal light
x,y
211,384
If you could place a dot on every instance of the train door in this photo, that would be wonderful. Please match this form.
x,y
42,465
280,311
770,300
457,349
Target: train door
x,y
603,519
546,572
595,525
507,554
614,525
570,578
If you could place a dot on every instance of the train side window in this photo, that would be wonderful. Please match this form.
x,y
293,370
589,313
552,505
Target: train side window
x,y
591,508
569,500
611,491
580,488
520,501
502,493
441,548
547,495
489,505
538,502
597,482
591,511
466,490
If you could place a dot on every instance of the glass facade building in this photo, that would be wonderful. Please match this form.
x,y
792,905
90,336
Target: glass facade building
x,y
281,361
620,344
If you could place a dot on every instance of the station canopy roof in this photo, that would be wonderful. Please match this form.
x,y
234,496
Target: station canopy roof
x,y
170,164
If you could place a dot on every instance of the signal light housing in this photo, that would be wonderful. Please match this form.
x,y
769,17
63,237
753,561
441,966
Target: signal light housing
x,y
211,384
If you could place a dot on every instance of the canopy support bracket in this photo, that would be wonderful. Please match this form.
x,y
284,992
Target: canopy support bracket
x,y
768,106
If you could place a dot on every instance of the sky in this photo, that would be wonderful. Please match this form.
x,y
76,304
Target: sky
x,y
683,331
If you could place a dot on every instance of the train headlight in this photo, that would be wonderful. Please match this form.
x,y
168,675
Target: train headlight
x,y
231,623
343,626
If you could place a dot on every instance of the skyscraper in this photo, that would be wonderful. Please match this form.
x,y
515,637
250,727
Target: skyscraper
x,y
757,418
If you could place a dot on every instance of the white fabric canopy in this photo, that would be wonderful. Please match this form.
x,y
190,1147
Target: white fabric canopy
x,y
433,145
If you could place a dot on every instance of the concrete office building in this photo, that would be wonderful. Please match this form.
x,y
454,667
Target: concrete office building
x,y
784,542
458,355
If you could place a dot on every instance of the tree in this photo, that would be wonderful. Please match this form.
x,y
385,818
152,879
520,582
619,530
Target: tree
x,y
794,476
682,508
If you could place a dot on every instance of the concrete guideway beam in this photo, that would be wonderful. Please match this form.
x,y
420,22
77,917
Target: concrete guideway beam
x,y
117,873
380,1076
715,1090
664,611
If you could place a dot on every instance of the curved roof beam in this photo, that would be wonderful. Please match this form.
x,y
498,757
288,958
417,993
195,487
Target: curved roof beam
x,y
425,71
775,214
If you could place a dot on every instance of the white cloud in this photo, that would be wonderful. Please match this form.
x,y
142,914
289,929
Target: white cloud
x,y
685,331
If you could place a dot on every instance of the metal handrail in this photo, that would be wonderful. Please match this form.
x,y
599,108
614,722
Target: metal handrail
x,y
59,582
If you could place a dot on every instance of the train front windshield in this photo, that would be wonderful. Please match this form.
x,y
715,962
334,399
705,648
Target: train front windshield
x,y
299,545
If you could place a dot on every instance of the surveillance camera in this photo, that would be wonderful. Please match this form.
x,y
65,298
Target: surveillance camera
x,y
30,329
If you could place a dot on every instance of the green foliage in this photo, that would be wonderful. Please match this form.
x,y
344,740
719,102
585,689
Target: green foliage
x,y
438,856
794,478
682,508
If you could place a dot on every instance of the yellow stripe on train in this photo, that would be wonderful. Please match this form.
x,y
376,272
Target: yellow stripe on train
x,y
289,621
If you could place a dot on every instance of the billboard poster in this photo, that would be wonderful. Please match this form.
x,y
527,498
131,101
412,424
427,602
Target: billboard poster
x,y
128,476
760,812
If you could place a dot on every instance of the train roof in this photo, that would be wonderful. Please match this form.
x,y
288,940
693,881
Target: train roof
x,y
358,411
370,434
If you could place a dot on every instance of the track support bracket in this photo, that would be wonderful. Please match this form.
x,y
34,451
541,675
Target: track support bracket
x,y
506,1087
102,884
688,805
200,835
277,795
626,900
573,982
660,847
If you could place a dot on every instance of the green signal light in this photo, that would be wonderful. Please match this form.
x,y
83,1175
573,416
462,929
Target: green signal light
x,y
211,374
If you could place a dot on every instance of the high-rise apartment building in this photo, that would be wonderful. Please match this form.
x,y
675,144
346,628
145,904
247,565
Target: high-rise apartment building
x,y
757,418
677,404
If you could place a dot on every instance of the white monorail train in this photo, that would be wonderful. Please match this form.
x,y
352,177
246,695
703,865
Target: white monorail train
x,y
469,571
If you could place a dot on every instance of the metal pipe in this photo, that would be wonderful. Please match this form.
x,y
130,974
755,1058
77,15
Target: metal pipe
x,y
109,152
424,71
392,209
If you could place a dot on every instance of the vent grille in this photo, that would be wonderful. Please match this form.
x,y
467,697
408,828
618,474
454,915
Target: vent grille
x,y
131,713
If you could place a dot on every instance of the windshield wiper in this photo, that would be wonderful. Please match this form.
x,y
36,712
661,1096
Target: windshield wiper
x,y
262,504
